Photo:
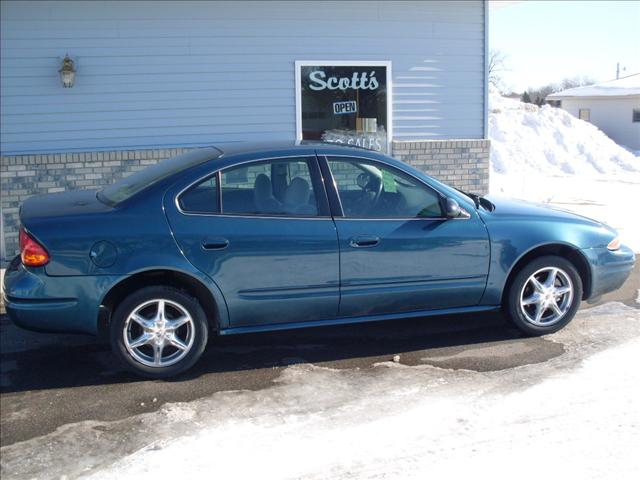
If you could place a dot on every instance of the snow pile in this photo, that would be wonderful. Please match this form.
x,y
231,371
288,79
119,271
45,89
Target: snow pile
x,y
547,155
528,139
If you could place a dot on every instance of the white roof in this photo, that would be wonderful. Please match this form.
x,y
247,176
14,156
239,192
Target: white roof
x,y
615,88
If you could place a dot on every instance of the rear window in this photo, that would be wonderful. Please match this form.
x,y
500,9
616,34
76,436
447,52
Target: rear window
x,y
129,186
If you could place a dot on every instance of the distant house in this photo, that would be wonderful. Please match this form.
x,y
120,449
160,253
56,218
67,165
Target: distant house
x,y
614,107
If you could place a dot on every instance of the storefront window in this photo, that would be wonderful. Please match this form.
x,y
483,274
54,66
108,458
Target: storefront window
x,y
344,102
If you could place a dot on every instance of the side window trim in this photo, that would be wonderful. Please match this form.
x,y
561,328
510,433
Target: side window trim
x,y
219,183
319,187
333,187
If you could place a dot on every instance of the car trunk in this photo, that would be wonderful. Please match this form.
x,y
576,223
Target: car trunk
x,y
80,202
59,222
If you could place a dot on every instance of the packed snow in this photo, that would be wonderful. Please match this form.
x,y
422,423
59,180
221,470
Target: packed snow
x,y
573,416
544,154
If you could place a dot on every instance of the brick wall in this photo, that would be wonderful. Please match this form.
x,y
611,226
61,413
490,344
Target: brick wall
x,y
26,175
461,163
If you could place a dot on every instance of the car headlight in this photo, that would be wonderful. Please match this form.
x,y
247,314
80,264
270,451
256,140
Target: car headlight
x,y
614,244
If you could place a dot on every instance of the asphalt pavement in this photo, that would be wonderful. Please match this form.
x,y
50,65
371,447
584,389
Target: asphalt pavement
x,y
47,381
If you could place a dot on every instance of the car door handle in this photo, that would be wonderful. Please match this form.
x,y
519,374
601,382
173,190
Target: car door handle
x,y
364,241
215,243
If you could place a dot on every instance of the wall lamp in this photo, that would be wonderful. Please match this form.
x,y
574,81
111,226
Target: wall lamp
x,y
67,72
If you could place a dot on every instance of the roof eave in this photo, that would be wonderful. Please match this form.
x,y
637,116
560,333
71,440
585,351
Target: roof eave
x,y
564,97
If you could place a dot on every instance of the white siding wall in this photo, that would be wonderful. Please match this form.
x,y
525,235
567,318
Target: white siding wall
x,y
157,74
611,115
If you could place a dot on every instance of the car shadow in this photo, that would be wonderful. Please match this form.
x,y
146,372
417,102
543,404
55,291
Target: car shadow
x,y
31,361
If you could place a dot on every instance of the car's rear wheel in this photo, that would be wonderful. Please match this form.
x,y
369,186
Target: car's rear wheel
x,y
544,296
159,332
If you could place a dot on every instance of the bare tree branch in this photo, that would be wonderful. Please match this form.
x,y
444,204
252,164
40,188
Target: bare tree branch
x,y
496,64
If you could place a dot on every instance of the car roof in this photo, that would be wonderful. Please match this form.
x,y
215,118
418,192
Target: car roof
x,y
242,148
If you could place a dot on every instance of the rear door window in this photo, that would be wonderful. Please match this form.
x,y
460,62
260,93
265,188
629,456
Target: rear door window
x,y
280,187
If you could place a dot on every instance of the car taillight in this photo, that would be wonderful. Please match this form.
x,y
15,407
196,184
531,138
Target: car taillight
x,y
31,252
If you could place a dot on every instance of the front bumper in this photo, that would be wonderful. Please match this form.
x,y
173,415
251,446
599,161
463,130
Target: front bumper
x,y
609,269
37,302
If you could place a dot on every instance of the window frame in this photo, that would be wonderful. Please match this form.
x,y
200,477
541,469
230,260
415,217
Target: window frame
x,y
344,63
336,203
588,111
317,183
635,115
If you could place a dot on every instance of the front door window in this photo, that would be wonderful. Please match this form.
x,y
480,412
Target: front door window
x,y
371,190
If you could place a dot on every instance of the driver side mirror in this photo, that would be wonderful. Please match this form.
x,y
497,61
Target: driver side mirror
x,y
452,208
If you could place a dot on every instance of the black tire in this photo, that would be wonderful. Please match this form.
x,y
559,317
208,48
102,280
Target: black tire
x,y
197,331
520,315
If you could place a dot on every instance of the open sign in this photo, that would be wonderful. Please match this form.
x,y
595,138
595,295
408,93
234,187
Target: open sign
x,y
342,108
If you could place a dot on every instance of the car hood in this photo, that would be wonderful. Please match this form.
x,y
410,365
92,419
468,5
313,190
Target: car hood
x,y
506,208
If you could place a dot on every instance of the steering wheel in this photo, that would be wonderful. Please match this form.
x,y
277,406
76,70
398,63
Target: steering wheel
x,y
371,190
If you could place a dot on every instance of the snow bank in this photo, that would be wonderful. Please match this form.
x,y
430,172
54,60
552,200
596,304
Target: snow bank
x,y
528,139
547,155
580,431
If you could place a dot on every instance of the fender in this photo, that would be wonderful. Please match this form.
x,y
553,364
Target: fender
x,y
222,312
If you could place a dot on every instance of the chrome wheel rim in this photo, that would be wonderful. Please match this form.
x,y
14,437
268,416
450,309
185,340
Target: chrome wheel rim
x,y
159,333
546,296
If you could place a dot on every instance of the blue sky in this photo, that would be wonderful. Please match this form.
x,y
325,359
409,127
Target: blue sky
x,y
547,41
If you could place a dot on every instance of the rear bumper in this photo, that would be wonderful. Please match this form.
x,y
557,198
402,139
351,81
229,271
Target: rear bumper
x,y
37,302
609,270
45,316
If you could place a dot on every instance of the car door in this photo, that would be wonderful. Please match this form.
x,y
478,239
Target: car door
x,y
262,231
397,251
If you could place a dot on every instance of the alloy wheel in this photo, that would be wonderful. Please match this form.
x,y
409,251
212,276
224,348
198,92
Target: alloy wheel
x,y
546,296
159,333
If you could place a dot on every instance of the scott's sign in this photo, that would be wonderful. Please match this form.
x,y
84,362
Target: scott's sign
x,y
358,81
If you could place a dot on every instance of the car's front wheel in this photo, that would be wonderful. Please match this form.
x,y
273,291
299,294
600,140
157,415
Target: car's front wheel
x,y
159,332
544,296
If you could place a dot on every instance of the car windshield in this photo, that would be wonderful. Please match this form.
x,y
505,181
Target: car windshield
x,y
129,186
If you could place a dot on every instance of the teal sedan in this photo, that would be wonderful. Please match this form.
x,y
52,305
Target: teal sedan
x,y
260,238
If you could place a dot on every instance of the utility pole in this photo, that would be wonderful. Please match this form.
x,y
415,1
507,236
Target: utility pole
x,y
618,70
